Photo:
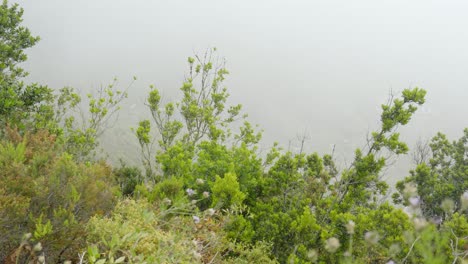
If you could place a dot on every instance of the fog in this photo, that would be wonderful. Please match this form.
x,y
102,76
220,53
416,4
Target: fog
x,y
316,67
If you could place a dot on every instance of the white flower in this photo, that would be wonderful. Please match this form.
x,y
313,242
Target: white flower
x,y
190,192
200,181
167,201
414,201
196,219
312,255
372,237
447,205
210,211
419,223
41,259
332,244
206,194
38,247
350,227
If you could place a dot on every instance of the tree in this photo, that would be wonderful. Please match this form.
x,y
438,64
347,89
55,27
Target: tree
x,y
18,102
442,180
201,114
296,184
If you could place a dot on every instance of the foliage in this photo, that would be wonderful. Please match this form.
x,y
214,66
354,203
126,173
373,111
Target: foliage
x,y
201,114
128,178
138,232
21,105
80,130
444,178
226,191
46,193
207,194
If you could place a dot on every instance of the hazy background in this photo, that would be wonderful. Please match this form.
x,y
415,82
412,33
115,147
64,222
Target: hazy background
x,y
323,67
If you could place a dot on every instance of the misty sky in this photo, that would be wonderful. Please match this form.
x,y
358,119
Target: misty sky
x,y
318,66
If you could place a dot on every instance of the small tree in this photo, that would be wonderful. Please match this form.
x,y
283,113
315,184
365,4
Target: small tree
x,y
442,180
19,103
202,113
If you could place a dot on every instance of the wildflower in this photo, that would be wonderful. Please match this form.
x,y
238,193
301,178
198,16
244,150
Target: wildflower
x,y
447,205
193,201
206,194
371,237
41,259
190,192
196,219
414,201
38,247
419,223
332,244
200,181
391,262
394,250
312,255
167,201
210,211
350,227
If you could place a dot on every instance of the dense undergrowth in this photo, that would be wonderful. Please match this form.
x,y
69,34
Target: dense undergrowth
x,y
206,194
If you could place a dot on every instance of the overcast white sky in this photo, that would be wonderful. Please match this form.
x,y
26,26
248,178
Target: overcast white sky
x,y
320,66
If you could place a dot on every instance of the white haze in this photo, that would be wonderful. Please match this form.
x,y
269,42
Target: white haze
x,y
323,67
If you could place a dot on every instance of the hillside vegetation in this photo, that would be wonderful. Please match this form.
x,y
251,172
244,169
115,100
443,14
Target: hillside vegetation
x,y
206,194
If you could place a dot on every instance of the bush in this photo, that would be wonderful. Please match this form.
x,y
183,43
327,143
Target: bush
x,y
46,193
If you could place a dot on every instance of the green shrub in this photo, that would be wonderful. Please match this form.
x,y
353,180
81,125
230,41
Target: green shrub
x,y
128,178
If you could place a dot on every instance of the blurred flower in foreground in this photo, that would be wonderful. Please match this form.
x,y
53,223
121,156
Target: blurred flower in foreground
x,y
210,211
350,227
190,192
38,247
419,223
312,255
414,201
332,244
167,201
447,205
200,181
371,237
